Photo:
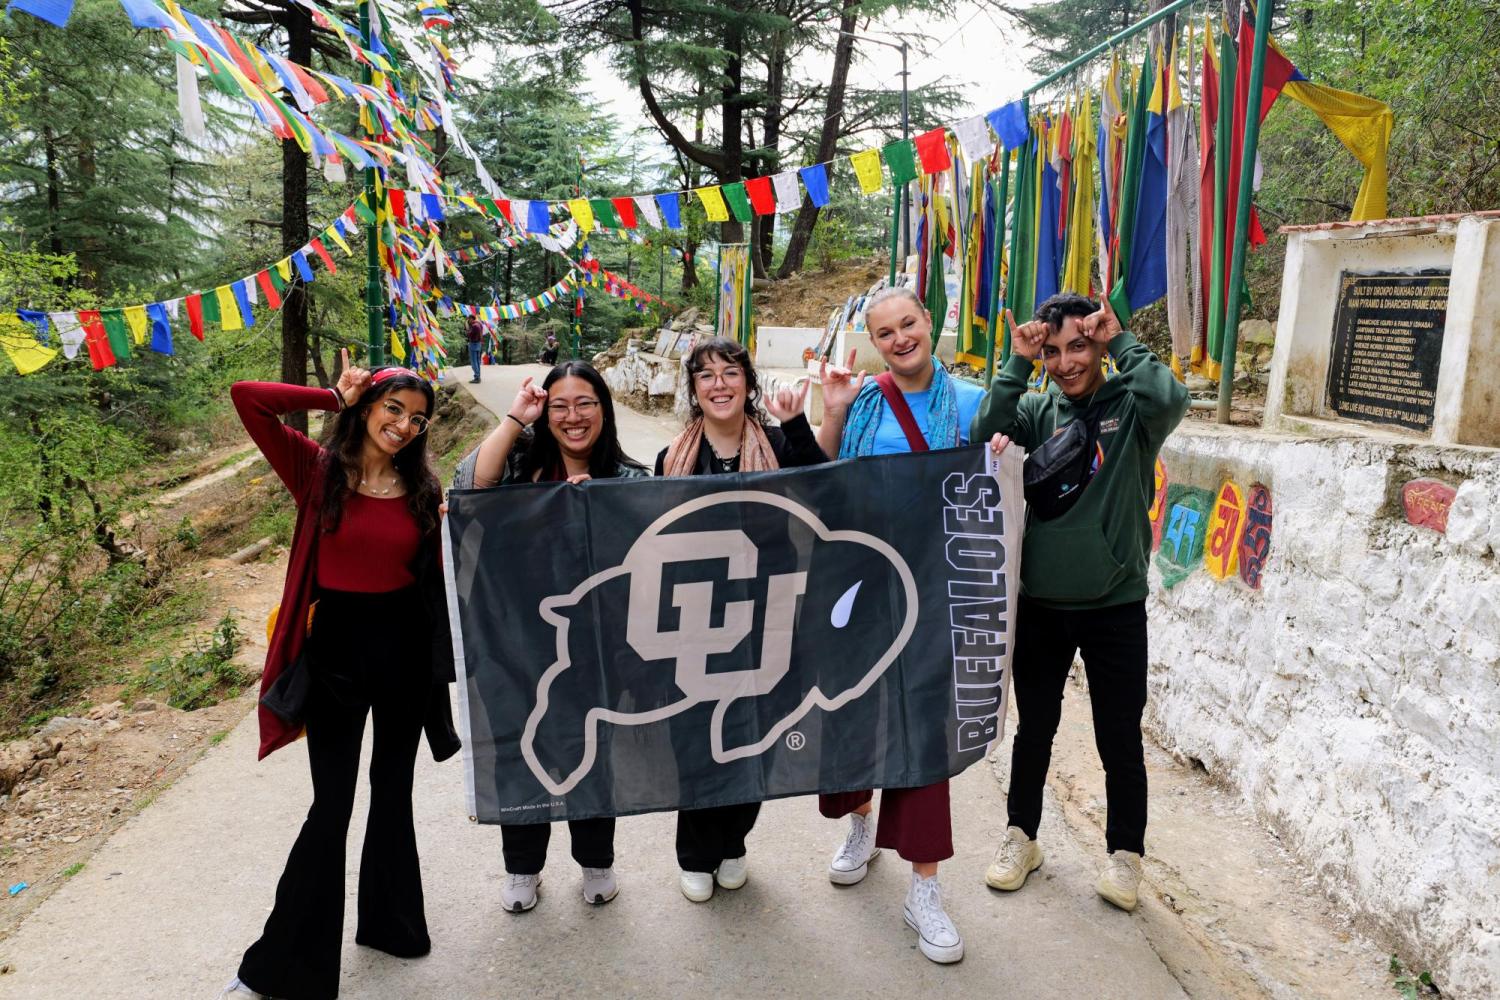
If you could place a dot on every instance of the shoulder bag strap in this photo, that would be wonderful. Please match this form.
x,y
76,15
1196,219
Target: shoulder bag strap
x,y
897,403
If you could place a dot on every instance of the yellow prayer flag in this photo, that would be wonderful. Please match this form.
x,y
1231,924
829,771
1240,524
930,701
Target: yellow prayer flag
x,y
398,349
284,268
229,309
22,347
583,214
135,318
713,203
867,169
1364,126
333,234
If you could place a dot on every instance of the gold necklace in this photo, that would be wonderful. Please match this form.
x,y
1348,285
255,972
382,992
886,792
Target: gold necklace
x,y
379,493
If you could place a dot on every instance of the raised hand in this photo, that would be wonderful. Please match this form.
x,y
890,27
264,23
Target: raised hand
x,y
1028,338
840,385
529,402
786,403
352,381
1101,326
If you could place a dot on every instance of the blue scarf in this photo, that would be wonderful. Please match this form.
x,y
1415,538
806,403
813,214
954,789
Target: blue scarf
x,y
870,405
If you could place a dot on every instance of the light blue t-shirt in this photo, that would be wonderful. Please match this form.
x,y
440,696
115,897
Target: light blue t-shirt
x,y
891,440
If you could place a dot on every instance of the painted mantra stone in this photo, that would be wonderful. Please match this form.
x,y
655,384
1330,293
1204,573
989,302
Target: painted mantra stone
x,y
1182,541
1427,502
1158,511
1222,551
1255,541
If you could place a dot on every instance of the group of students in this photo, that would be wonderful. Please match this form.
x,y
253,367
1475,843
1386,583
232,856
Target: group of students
x,y
366,543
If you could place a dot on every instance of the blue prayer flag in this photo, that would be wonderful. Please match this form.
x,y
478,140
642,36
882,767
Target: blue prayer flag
x,y
1009,124
1146,279
161,328
303,268
145,14
38,320
432,206
243,298
815,179
537,219
671,210
54,12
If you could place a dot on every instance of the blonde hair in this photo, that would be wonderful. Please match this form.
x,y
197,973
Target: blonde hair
x,y
887,294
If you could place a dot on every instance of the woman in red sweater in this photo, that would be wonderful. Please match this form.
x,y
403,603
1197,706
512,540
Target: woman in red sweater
x,y
364,561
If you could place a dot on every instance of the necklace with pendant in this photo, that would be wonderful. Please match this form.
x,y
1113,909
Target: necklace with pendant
x,y
375,492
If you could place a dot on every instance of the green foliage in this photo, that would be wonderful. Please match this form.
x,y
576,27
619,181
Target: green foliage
x,y
203,675
72,869
1408,985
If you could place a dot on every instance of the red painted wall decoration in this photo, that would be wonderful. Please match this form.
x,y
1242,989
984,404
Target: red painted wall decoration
x,y
1427,502
1255,540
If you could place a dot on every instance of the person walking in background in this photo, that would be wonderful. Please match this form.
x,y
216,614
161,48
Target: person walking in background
x,y
915,406
1083,565
475,332
364,566
726,432
562,432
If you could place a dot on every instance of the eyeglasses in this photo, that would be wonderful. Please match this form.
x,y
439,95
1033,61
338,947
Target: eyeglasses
x,y
584,408
397,412
729,376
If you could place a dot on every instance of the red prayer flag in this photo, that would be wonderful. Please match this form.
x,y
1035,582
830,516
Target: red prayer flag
x,y
504,207
273,297
932,149
322,253
96,338
309,83
625,209
762,197
195,314
1278,71
398,203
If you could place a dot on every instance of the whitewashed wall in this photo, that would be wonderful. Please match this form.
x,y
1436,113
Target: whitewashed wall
x,y
1354,699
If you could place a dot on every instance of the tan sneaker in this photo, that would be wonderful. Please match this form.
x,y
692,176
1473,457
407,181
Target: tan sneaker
x,y
1121,879
1017,857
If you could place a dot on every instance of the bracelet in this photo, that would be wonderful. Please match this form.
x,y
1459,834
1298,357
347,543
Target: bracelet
x,y
339,408
517,420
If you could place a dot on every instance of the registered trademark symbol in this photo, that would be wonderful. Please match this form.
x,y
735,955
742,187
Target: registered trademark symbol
x,y
795,740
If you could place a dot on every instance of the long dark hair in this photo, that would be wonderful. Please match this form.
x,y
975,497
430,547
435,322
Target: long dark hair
x,y
732,353
344,442
543,454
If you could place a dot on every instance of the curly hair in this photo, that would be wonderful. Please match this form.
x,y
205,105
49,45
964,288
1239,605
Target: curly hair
x,y
730,352
1062,305
344,442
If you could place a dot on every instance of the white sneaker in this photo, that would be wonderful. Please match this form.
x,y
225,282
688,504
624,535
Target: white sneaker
x,y
1017,857
519,892
237,990
732,873
936,935
697,886
1120,881
852,862
599,885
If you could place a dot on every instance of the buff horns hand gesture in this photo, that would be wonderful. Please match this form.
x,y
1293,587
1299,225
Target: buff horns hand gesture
x,y
840,385
529,402
1028,338
786,403
353,381
1102,326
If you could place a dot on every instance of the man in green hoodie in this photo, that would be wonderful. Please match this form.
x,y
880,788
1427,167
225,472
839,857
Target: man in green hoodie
x,y
1083,573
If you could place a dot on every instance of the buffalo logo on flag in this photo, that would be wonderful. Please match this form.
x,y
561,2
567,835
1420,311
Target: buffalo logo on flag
x,y
638,645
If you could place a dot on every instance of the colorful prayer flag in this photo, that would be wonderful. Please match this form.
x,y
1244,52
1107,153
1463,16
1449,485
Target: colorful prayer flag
x,y
901,158
713,203
762,199
932,147
815,179
739,200
866,165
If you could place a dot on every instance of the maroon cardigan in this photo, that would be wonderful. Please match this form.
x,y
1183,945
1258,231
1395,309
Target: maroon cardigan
x,y
298,461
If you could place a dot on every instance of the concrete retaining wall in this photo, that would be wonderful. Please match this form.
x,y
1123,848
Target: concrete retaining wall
x,y
1354,698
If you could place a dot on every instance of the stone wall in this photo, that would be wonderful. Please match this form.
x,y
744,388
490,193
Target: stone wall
x,y
1354,698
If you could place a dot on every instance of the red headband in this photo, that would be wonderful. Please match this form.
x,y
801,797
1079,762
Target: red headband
x,y
386,373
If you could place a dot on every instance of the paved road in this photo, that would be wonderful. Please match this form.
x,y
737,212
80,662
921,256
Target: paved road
x,y
170,901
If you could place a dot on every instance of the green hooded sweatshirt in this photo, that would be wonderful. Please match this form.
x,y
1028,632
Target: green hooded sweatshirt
x,y
1096,554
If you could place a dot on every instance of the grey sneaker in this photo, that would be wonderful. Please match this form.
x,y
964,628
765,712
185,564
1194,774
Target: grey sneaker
x,y
519,892
599,885
852,862
936,935
1120,881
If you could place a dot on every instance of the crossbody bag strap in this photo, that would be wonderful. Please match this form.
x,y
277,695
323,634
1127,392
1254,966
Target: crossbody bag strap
x,y
897,402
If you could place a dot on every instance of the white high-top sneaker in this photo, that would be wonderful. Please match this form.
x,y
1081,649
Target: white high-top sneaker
x,y
519,892
852,862
937,937
1120,881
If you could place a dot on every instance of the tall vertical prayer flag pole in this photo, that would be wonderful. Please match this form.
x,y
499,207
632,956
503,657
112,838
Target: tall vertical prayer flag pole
x,y
1242,211
374,326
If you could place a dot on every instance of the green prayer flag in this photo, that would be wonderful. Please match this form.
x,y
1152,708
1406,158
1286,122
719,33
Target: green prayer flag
x,y
739,200
210,305
277,281
604,213
901,157
1020,285
118,331
363,211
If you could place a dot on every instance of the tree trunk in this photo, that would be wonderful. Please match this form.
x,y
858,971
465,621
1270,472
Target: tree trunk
x,y
732,110
54,194
294,228
807,216
771,140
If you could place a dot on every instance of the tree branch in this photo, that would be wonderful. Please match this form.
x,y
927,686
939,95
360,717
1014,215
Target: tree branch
x,y
718,163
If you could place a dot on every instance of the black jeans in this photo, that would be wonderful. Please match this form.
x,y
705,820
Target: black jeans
x,y
1112,642
525,844
708,837
357,671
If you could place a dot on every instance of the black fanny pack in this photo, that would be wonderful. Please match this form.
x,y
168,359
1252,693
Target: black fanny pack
x,y
1056,473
